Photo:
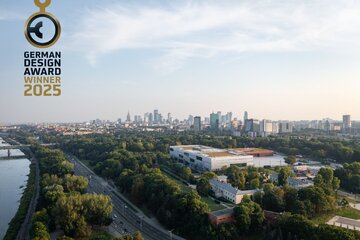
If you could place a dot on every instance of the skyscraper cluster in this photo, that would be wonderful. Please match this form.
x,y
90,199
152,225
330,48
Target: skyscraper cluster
x,y
216,121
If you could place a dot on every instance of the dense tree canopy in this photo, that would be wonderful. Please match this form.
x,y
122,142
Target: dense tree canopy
x,y
349,176
63,200
132,160
248,215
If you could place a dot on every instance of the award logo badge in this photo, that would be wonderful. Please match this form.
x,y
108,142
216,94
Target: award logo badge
x,y
42,69
42,19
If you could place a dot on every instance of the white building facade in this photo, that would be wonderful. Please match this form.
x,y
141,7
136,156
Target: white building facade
x,y
205,158
228,192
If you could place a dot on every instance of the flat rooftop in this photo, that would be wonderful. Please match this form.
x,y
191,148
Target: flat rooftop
x,y
210,151
223,212
217,152
254,151
220,154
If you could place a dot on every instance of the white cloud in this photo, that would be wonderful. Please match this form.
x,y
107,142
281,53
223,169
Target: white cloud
x,y
206,29
7,15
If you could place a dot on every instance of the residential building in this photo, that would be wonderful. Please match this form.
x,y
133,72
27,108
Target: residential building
x,y
275,127
285,127
266,128
228,192
346,124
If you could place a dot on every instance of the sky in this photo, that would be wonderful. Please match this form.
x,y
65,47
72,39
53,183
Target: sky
x,y
280,60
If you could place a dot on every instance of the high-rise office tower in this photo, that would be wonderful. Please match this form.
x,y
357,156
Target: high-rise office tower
x,y
190,120
156,116
128,118
252,125
266,127
214,121
219,116
229,117
346,123
151,118
246,116
169,118
137,119
146,117
197,123
207,120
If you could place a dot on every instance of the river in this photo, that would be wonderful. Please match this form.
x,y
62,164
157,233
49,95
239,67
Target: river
x,y
13,178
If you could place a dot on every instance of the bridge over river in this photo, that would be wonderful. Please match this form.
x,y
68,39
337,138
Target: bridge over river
x,y
18,146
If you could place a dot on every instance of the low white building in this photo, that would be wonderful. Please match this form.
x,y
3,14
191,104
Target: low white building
x,y
205,158
228,192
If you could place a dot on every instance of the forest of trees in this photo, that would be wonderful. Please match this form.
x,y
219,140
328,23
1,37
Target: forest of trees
x,y
310,201
63,200
349,176
135,171
295,226
132,160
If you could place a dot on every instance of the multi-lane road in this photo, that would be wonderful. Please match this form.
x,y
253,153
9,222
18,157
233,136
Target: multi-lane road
x,y
126,220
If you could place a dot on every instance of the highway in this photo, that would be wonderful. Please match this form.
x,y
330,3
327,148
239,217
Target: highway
x,y
125,219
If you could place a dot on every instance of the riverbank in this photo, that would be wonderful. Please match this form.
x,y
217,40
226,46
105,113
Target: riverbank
x,y
16,222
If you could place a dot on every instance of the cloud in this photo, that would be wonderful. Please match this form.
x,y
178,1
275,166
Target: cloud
x,y
206,29
8,15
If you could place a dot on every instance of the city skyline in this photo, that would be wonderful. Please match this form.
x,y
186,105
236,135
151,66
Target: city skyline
x,y
129,116
279,61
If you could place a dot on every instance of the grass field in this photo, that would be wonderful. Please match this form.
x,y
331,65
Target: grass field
x,y
322,218
348,212
212,204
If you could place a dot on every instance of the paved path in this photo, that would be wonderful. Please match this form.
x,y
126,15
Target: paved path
x,y
355,197
23,233
345,223
356,206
